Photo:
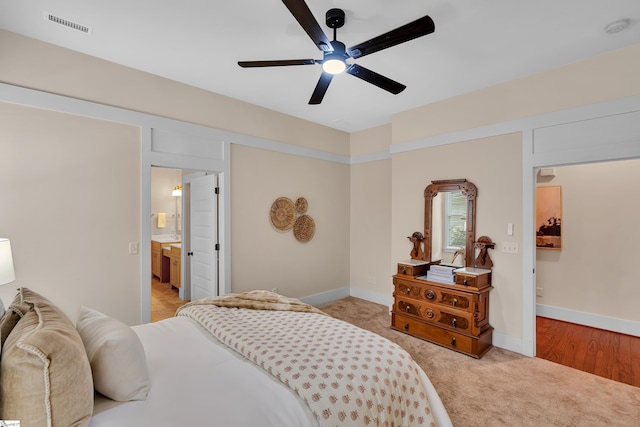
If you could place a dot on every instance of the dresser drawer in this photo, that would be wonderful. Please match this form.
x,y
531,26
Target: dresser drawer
x,y
439,295
443,316
412,270
470,345
473,281
432,333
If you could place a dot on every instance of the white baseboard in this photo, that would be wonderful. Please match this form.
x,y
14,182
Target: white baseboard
x,y
326,297
377,297
508,342
628,327
336,294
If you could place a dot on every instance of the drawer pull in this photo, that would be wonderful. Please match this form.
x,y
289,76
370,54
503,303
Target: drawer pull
x,y
464,282
453,341
408,308
454,302
430,294
454,322
404,270
408,291
406,326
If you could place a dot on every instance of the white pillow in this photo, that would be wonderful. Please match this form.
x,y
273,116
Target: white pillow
x,y
116,355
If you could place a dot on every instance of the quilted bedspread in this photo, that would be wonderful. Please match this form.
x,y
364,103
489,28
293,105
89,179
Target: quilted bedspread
x,y
347,376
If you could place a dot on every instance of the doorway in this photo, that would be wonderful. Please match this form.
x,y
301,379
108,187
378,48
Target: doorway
x,y
184,238
586,284
166,237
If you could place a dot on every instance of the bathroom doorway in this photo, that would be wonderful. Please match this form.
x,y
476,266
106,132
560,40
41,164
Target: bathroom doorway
x,y
166,238
184,238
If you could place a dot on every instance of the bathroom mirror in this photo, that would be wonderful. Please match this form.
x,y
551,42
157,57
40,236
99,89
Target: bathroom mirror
x,y
448,209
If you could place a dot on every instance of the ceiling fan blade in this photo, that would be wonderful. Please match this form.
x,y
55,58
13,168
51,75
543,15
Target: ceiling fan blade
x,y
376,79
321,88
418,28
276,63
303,15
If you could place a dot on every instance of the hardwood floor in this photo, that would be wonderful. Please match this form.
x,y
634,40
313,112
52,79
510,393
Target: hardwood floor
x,y
604,353
164,300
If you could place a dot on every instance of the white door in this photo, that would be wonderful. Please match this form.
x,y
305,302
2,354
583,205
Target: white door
x,y
204,237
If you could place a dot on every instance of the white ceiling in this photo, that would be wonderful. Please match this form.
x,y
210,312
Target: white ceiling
x,y
477,43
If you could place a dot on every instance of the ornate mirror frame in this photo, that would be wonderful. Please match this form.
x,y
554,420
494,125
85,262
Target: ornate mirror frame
x,y
470,191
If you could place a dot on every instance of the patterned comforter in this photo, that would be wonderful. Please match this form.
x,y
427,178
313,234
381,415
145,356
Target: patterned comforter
x,y
347,376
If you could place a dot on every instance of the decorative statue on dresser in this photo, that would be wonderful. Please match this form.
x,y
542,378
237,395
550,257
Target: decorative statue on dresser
x,y
416,238
484,243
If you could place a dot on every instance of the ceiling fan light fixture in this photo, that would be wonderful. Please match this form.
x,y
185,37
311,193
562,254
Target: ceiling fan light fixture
x,y
334,66
334,62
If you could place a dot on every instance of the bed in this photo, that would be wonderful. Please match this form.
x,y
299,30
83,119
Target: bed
x,y
249,359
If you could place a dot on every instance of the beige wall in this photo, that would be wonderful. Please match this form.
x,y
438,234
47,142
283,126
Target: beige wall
x,y
370,232
602,78
494,165
70,205
49,68
371,216
372,140
594,272
265,258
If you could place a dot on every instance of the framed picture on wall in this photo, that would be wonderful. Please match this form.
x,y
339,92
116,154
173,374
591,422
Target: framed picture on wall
x,y
549,217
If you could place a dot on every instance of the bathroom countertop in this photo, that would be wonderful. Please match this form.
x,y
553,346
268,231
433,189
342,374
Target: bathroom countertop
x,y
168,238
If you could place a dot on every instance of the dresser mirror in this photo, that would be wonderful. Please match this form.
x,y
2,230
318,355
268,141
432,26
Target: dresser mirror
x,y
450,222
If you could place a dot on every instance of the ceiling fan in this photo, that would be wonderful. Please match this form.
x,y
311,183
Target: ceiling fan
x,y
335,53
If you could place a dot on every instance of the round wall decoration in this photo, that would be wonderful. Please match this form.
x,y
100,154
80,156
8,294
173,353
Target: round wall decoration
x,y
282,213
301,205
304,228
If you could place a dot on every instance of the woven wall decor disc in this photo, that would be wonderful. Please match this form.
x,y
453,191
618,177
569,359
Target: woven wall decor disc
x,y
304,228
301,205
282,213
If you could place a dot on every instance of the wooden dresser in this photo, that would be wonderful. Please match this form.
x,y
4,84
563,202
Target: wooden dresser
x,y
452,315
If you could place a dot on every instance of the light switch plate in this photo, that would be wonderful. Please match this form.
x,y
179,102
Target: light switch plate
x,y
510,247
133,248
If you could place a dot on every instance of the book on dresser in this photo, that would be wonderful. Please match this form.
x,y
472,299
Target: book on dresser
x,y
442,273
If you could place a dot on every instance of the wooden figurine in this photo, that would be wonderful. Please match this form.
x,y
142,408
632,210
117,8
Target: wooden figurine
x,y
416,238
483,260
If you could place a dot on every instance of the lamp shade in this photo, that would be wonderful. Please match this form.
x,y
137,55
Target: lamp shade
x,y
7,274
177,191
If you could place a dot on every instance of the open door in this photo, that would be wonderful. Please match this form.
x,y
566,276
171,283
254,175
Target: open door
x,y
203,253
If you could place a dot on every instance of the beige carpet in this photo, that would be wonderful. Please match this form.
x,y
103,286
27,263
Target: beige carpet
x,y
504,388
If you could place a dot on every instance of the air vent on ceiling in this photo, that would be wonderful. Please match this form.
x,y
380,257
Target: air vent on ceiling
x,y
69,24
